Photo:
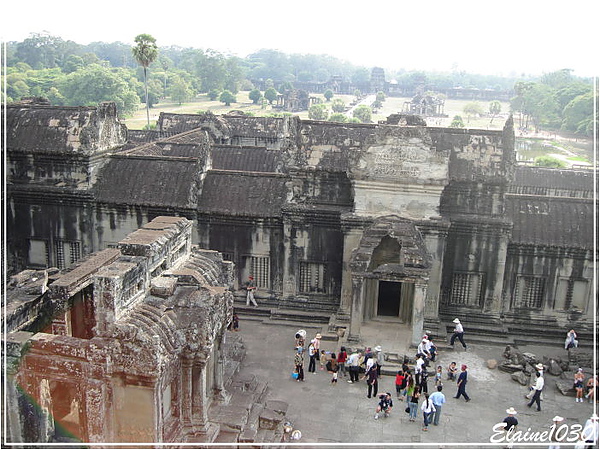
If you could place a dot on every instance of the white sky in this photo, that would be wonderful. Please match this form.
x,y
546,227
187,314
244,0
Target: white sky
x,y
501,37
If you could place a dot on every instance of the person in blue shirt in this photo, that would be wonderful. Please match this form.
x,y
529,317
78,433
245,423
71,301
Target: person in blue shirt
x,y
438,399
462,383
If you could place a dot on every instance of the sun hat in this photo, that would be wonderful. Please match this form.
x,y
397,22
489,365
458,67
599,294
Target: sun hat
x,y
539,366
318,336
378,348
594,416
511,410
558,419
456,320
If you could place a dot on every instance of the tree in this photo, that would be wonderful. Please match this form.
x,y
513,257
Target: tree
x,y
255,96
578,115
318,112
227,97
328,94
213,94
145,52
457,122
494,108
180,90
94,84
380,97
549,161
338,105
472,109
338,117
271,95
362,113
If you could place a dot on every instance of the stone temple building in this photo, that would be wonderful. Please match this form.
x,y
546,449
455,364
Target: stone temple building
x,y
125,347
341,222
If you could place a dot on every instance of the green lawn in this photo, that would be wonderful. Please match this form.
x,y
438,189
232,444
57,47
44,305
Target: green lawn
x,y
391,105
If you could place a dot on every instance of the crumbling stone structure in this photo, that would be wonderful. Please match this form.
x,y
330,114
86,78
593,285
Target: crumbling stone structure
x,y
343,222
125,347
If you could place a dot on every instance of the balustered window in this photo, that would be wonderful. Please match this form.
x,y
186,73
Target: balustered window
x,y
466,289
312,277
529,292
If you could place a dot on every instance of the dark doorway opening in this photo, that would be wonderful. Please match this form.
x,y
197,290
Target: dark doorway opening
x,y
388,300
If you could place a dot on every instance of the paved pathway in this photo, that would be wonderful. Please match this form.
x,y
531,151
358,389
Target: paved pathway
x,y
342,413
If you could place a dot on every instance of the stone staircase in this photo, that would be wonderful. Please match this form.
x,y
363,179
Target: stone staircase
x,y
247,415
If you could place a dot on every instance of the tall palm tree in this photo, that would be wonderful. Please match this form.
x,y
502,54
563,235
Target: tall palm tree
x,y
145,52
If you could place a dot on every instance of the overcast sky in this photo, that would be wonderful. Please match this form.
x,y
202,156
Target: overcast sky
x,y
504,37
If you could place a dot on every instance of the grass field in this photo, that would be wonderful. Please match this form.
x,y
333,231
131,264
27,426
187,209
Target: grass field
x,y
390,106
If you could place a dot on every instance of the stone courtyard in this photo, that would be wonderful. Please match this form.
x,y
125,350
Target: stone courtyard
x,y
342,413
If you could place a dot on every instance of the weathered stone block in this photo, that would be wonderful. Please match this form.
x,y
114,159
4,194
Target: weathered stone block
x,y
492,364
248,435
565,387
277,406
520,378
269,419
554,368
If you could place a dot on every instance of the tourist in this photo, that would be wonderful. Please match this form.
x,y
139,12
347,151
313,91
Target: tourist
x,y
235,323
452,369
323,358
571,340
578,379
590,432
250,287
398,382
438,399
540,368
371,376
538,386
300,338
332,368
462,383
413,402
458,333
342,357
410,385
591,386
369,359
419,368
428,410
432,349
353,366
510,424
438,376
556,421
378,359
423,347
385,405
423,379
299,363
312,354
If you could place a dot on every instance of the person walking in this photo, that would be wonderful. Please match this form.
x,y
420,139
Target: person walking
x,y
538,386
250,287
510,424
371,376
413,402
458,333
342,357
438,399
462,383
299,363
419,367
428,410
353,366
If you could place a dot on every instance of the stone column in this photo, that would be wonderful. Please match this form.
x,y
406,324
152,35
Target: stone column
x,y
289,277
352,238
494,304
220,394
357,308
199,394
186,391
418,315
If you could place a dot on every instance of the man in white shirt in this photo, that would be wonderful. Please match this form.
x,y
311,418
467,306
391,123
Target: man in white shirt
x,y
419,369
353,366
590,431
458,333
538,386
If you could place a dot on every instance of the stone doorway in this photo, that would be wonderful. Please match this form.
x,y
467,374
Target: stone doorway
x,y
395,299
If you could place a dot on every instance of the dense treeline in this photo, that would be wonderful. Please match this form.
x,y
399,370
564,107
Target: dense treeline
x,y
68,73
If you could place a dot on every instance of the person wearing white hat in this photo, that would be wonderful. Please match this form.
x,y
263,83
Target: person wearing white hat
x,y
378,359
590,431
539,367
537,387
458,333
553,433
511,423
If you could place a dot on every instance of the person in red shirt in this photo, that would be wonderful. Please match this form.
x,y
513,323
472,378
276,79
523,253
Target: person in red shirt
x,y
341,360
399,383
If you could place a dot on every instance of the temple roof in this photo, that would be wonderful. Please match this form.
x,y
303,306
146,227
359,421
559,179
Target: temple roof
x,y
246,194
150,181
